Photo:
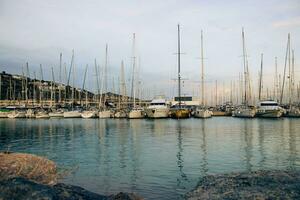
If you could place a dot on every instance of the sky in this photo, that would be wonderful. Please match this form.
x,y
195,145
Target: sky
x,y
37,32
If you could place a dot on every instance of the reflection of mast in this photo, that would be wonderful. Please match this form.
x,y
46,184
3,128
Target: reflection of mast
x,y
179,156
261,139
204,150
248,146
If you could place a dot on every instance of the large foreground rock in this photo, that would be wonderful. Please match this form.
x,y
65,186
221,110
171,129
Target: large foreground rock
x,y
28,166
22,189
253,185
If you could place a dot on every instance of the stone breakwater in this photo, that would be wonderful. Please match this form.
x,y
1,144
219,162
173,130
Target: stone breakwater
x,y
252,185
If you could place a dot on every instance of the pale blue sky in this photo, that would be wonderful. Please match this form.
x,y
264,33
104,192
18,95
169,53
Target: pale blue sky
x,y
37,31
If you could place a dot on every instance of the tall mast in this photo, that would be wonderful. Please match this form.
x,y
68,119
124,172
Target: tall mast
x,y
60,79
83,85
245,68
97,80
26,89
290,77
105,73
41,86
260,78
34,89
276,80
179,75
52,83
123,84
133,70
70,70
202,71
293,75
284,71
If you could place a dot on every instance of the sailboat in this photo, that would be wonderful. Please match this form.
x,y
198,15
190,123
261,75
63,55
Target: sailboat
x,y
178,111
56,113
120,113
104,111
73,113
202,112
87,113
293,110
136,112
245,111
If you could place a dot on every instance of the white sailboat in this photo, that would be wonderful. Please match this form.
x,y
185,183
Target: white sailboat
x,y
202,112
104,111
245,111
121,113
135,112
73,113
42,114
17,114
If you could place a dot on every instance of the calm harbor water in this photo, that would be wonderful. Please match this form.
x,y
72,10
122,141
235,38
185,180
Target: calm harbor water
x,y
157,159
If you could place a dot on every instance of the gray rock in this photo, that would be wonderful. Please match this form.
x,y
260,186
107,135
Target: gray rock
x,y
252,185
23,189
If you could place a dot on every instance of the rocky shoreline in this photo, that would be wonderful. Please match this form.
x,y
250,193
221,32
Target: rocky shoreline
x,y
249,185
21,188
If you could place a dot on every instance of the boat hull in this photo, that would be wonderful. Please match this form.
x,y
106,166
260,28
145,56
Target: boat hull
x,y
16,115
136,114
120,114
105,114
157,113
42,116
89,114
56,114
203,113
269,113
4,114
244,113
72,114
180,114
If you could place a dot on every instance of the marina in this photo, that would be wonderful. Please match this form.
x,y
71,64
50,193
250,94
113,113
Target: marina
x,y
157,159
146,100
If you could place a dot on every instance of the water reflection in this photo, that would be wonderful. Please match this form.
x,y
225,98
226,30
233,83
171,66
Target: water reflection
x,y
204,164
158,159
180,161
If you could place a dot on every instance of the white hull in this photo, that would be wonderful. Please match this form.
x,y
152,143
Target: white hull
x,y
244,113
56,114
42,115
72,114
30,113
120,114
4,114
269,113
105,114
157,112
16,114
203,113
293,112
136,114
89,114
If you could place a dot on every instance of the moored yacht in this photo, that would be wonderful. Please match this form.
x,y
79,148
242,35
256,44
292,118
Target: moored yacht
x,y
56,113
105,114
42,114
158,108
202,113
136,113
89,114
269,109
120,114
244,112
72,114
17,114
